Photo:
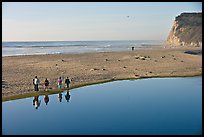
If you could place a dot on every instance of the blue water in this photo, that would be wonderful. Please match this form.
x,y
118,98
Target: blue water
x,y
168,106
67,47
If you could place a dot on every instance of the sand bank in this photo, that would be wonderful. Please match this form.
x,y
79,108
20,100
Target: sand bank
x,y
88,68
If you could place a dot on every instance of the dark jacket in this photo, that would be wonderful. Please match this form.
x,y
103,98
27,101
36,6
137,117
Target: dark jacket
x,y
67,81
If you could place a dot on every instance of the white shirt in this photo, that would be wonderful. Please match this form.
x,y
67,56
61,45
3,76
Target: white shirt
x,y
36,81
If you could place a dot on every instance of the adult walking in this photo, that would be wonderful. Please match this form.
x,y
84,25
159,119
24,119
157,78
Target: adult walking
x,y
36,83
46,82
59,82
67,81
133,48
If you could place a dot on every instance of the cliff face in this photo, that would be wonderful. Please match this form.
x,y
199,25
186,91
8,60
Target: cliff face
x,y
186,30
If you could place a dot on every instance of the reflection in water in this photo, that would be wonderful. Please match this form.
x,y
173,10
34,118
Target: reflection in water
x,y
60,97
67,96
36,102
46,99
115,108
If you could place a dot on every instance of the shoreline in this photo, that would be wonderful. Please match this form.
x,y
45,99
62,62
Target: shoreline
x,y
147,47
94,68
40,93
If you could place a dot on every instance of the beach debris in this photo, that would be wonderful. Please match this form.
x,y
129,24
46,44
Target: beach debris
x,y
106,60
182,61
62,60
163,56
103,69
4,84
137,75
137,57
93,69
113,78
56,64
155,61
174,58
172,72
118,60
150,72
142,58
124,67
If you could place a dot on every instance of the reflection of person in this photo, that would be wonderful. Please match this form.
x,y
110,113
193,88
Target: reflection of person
x,y
60,97
59,82
46,99
36,102
46,82
36,82
67,96
35,98
67,81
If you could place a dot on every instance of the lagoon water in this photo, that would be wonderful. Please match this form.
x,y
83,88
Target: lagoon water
x,y
147,106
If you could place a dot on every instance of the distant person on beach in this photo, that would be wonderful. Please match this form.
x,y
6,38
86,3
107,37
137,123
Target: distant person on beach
x,y
36,83
59,82
46,82
60,97
46,99
67,81
67,96
133,48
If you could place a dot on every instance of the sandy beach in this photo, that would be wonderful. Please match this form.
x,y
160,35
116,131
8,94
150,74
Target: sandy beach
x,y
88,68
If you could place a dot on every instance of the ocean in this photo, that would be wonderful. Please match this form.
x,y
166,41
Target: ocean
x,y
73,47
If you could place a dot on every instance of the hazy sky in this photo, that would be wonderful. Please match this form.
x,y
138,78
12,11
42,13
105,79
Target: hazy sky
x,y
91,20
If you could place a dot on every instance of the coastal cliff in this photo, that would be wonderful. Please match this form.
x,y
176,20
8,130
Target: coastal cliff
x,y
186,30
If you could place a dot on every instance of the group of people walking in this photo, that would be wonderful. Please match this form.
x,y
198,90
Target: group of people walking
x,y
36,83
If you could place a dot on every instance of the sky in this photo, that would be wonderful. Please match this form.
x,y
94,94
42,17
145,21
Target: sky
x,y
80,21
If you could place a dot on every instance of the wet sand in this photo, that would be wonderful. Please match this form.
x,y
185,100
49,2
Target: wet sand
x,y
87,68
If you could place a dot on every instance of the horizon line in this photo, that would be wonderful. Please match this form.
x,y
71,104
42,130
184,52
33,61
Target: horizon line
x,y
78,40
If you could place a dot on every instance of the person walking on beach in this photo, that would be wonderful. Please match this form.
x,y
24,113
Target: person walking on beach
x,y
133,48
67,81
36,83
59,82
46,82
